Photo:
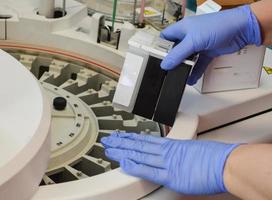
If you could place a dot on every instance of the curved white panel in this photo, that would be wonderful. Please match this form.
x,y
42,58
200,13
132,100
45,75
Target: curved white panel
x,y
24,132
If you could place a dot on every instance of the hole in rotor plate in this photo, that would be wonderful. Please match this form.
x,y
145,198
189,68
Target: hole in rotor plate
x,y
59,12
42,70
5,16
78,125
63,176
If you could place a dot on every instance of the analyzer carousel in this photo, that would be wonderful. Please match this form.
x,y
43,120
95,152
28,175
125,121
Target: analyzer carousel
x,y
82,113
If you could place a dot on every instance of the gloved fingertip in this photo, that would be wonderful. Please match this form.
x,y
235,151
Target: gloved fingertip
x,y
127,165
162,35
106,141
115,134
111,153
167,64
107,152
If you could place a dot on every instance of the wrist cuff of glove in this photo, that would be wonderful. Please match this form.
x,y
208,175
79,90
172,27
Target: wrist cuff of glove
x,y
224,159
254,35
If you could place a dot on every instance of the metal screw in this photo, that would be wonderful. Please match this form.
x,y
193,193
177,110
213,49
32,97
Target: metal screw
x,y
79,174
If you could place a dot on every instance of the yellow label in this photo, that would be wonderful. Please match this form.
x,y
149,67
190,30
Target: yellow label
x,y
268,70
149,12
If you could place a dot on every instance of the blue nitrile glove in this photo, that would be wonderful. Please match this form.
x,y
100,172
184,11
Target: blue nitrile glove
x,y
211,35
185,166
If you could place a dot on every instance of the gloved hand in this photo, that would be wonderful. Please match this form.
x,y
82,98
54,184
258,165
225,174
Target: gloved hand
x,y
211,35
186,166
